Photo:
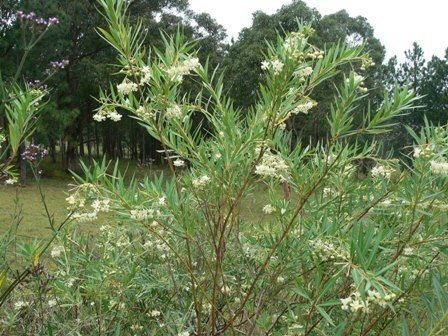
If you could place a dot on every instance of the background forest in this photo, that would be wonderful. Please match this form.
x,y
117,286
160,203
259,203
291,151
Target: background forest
x,y
68,130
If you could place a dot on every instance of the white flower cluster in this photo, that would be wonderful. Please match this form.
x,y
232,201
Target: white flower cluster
x,y
367,63
423,151
101,205
144,113
84,217
136,327
160,247
177,72
275,65
316,54
272,165
359,80
20,304
104,114
326,251
154,313
173,111
439,167
56,251
293,44
142,214
303,73
126,87
146,75
201,181
268,209
355,302
381,171
77,201
304,106
11,181
327,192
179,163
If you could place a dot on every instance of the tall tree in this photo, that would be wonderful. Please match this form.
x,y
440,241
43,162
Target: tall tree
x,y
245,56
68,118
412,71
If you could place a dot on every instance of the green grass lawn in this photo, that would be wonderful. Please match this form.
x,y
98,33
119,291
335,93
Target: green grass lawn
x,y
55,186
34,222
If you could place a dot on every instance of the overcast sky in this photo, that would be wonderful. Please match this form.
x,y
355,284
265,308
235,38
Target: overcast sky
x,y
397,23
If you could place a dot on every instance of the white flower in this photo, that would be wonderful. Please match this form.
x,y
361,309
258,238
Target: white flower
x,y
304,107
381,171
52,303
103,114
85,217
328,250
20,304
179,163
104,228
424,151
265,65
162,200
408,251
272,166
99,117
11,181
327,192
144,113
439,167
154,313
268,209
358,78
136,327
146,72
276,65
305,72
56,252
142,214
201,181
183,333
127,87
70,282
114,116
101,205
176,72
173,112
345,303
192,63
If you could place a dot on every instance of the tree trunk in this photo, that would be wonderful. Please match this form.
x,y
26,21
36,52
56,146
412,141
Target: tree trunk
x,y
53,150
70,156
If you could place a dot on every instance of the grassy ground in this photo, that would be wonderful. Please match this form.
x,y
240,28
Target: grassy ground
x,y
26,200
55,186
55,183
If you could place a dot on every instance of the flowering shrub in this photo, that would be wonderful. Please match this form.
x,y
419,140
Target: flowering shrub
x,y
20,103
184,254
